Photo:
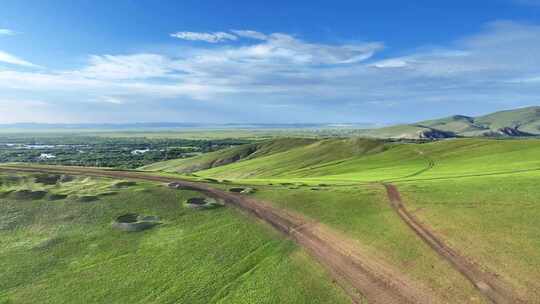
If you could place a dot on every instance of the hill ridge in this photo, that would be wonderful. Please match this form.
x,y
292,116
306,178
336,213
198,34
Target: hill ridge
x,y
506,123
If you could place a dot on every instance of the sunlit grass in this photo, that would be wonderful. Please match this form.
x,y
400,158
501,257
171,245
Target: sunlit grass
x,y
66,251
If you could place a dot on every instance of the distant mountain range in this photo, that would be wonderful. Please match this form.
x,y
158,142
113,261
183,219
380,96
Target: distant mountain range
x,y
510,123
181,125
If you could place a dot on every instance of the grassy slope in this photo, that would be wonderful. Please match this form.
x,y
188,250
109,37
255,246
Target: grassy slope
x,y
363,213
66,252
480,157
457,124
479,194
331,163
511,118
285,164
230,155
491,218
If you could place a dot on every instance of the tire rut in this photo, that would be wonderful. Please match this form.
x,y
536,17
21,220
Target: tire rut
x,y
488,284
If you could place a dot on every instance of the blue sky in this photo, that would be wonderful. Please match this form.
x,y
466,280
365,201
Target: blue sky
x,y
256,61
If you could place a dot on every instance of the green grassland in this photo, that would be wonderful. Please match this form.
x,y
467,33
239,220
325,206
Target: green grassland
x,y
220,158
492,218
65,250
364,160
480,195
364,214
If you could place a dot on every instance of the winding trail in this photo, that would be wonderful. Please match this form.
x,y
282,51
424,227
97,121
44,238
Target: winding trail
x,y
361,275
489,285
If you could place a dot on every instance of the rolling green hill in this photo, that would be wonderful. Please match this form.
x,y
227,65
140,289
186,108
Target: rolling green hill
x,y
479,194
272,156
227,156
351,160
517,122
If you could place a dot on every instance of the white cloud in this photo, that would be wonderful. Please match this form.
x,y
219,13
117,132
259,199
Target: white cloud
x,y
279,51
11,59
499,65
7,32
250,34
207,37
391,63
112,99
138,66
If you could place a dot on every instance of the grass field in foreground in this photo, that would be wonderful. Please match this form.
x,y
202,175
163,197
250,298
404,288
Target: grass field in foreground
x,y
481,195
363,213
65,251
493,219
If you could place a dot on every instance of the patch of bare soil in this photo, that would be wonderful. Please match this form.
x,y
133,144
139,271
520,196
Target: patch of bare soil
x,y
361,275
489,285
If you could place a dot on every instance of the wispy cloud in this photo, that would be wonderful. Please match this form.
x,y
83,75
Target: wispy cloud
x,y
207,37
137,66
250,34
112,99
391,63
11,59
7,32
498,65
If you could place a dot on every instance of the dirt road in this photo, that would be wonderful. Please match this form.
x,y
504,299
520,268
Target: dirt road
x,y
488,284
361,275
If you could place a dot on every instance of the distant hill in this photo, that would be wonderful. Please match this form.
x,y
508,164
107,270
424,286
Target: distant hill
x,y
179,125
273,156
510,123
230,155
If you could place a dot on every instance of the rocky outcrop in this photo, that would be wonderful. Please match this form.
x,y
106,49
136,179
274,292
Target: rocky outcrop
x,y
435,134
509,131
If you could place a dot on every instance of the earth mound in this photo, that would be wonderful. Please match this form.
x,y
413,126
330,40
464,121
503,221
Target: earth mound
x,y
47,179
242,190
10,179
124,184
202,203
108,193
133,222
87,198
56,197
66,178
29,194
